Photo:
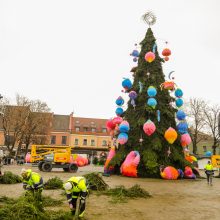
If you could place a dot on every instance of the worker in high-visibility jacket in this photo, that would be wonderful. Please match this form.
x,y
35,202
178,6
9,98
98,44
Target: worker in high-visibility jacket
x,y
76,187
32,181
209,171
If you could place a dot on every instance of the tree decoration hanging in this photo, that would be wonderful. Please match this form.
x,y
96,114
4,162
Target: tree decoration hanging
x,y
135,54
178,93
158,115
180,115
117,120
152,102
110,125
182,127
185,140
149,57
151,91
126,84
119,111
179,102
124,127
122,138
166,53
170,76
154,48
119,101
140,86
149,127
133,96
169,85
170,135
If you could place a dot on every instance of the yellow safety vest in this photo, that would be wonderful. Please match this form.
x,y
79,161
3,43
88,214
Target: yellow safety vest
x,y
208,167
79,184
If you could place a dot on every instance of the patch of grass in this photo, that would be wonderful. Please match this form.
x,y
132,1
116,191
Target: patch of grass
x,y
54,183
121,194
10,178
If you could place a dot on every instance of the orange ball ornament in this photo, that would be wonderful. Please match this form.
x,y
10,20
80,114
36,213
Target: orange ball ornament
x,y
166,52
166,58
170,135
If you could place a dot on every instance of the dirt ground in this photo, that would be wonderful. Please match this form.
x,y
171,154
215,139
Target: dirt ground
x,y
171,200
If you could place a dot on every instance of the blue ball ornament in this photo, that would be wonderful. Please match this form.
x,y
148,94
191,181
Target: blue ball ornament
x,y
179,102
124,128
119,111
178,93
151,91
152,102
135,59
119,101
180,115
135,53
182,128
126,83
208,153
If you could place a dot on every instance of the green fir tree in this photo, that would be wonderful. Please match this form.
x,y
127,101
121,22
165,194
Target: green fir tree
x,y
154,149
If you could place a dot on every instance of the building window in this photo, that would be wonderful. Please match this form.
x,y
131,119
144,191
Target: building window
x,y
76,141
85,129
77,128
104,143
104,130
53,139
84,142
92,142
64,138
93,129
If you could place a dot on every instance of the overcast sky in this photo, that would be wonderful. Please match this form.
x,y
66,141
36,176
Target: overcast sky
x,y
73,54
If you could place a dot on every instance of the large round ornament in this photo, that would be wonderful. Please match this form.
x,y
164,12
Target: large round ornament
x,y
149,57
119,111
126,84
119,101
152,102
151,91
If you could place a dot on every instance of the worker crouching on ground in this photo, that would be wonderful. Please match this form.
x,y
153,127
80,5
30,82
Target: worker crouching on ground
x,y
76,187
32,182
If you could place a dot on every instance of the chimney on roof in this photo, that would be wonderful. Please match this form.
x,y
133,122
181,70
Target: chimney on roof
x,y
71,121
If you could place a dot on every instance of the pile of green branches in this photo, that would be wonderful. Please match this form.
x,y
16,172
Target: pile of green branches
x,y
121,194
10,178
95,182
27,207
54,183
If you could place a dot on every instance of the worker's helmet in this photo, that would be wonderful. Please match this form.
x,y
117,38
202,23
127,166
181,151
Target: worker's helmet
x,y
67,186
26,173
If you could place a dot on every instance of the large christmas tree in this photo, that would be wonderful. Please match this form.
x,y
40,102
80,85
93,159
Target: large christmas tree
x,y
154,149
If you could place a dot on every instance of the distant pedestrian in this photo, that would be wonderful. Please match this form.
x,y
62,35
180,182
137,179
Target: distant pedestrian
x,y
209,172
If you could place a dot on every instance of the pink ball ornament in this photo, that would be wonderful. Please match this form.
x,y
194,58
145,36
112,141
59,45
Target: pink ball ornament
x,y
149,57
149,127
185,140
117,120
124,123
110,125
